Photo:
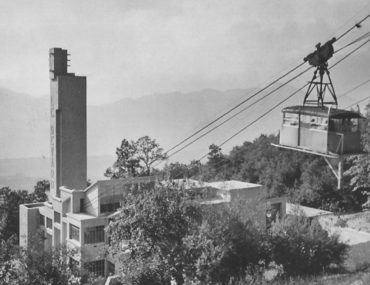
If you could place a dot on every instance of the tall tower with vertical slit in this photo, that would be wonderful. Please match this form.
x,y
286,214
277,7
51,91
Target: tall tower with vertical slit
x,y
67,125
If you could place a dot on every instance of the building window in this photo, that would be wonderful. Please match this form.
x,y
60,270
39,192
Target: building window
x,y
94,234
111,207
42,220
111,268
49,223
56,217
95,267
82,208
74,232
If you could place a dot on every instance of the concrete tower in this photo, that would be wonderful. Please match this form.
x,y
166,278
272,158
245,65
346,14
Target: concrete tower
x,y
67,125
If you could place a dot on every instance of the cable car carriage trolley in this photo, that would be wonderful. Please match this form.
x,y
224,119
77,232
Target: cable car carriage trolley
x,y
318,127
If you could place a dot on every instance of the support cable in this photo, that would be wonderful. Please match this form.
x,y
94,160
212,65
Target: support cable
x,y
357,25
239,112
235,107
291,95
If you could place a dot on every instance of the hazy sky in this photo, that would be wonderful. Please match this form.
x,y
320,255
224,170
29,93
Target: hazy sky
x,y
133,48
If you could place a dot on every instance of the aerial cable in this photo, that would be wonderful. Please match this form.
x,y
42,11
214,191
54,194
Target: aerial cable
x,y
239,112
357,25
259,117
354,88
260,99
284,100
349,54
344,94
364,36
235,107
358,102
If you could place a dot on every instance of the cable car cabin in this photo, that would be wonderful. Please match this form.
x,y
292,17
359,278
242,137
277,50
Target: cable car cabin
x,y
321,130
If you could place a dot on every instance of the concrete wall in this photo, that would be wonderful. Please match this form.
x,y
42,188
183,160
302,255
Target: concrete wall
x,y
29,222
91,203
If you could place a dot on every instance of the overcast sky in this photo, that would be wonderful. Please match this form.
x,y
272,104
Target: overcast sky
x,y
134,48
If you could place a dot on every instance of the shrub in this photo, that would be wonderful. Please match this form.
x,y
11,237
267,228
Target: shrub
x,y
303,247
228,248
341,223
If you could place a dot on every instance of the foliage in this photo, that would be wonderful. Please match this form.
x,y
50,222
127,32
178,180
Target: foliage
x,y
304,248
227,248
304,178
34,266
154,222
9,211
177,170
8,263
40,191
135,158
9,206
217,165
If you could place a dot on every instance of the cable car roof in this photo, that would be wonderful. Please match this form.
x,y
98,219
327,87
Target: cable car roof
x,y
322,112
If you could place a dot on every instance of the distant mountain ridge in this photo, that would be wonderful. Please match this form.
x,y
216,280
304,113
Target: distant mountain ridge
x,y
169,118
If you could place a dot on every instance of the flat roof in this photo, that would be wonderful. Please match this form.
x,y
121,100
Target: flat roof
x,y
81,216
322,111
232,184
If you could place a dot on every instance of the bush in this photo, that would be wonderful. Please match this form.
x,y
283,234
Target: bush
x,y
341,223
227,248
151,276
304,248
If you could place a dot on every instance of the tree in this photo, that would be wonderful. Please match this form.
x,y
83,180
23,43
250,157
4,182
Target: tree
x,y
154,223
34,265
135,158
359,171
9,211
40,191
217,165
9,206
226,248
168,235
305,248
176,170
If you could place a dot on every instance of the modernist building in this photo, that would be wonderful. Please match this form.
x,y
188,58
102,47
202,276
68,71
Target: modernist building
x,y
75,214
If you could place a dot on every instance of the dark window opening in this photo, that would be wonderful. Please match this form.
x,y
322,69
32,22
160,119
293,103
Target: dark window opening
x,y
111,207
42,220
82,208
94,235
95,267
74,232
56,217
49,223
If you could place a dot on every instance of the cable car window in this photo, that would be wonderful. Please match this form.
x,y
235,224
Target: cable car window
x,y
314,122
290,119
343,125
305,119
354,125
335,125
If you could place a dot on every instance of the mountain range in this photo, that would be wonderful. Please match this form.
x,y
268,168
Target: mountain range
x,y
169,118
